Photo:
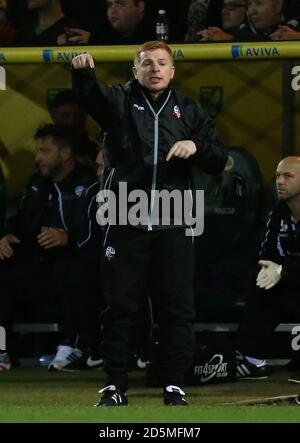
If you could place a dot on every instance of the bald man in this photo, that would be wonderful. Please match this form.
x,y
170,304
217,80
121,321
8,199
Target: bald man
x,y
277,288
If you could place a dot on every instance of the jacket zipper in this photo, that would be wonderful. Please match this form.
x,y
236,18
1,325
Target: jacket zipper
x,y
155,155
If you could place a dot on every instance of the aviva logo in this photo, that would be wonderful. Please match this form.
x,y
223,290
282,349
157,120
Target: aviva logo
x,y
61,56
48,55
238,51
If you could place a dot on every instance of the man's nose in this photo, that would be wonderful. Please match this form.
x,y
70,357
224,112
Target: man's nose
x,y
112,8
279,180
155,67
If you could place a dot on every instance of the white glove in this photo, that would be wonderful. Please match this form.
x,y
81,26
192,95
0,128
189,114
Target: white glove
x,y
269,275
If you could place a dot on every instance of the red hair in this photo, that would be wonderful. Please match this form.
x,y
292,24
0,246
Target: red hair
x,y
151,46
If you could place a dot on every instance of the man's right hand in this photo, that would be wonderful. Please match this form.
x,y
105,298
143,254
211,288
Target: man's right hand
x,y
74,36
83,61
6,251
52,237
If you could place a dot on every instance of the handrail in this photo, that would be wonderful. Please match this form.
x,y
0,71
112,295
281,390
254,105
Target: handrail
x,y
182,52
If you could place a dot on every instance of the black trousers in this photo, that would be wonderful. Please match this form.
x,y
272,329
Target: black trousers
x,y
263,312
135,259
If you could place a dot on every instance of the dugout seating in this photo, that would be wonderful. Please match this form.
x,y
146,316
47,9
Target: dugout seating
x,y
227,250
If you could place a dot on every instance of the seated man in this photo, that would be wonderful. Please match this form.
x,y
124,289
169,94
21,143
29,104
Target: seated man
x,y
277,283
49,24
233,15
129,22
67,111
267,22
40,257
201,15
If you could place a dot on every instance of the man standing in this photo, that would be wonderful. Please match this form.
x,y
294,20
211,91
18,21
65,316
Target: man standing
x,y
277,283
155,136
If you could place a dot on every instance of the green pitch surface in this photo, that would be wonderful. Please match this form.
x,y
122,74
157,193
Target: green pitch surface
x,y
35,395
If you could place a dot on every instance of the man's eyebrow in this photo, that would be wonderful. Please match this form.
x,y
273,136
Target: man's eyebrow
x,y
159,60
285,173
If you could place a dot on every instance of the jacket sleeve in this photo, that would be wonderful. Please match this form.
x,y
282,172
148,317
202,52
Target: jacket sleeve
x,y
210,155
97,98
268,249
26,223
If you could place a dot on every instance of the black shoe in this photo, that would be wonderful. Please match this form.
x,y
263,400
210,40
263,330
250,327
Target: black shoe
x,y
174,396
295,378
111,396
249,371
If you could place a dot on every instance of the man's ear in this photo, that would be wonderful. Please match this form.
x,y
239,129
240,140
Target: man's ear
x,y
173,73
134,70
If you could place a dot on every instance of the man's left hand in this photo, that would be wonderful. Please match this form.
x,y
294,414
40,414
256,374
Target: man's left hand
x,y
183,149
52,237
269,275
212,33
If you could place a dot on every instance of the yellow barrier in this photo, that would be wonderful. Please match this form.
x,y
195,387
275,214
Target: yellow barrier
x,y
212,51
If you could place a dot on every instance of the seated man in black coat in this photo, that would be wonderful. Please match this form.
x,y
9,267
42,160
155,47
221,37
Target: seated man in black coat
x,y
277,283
40,254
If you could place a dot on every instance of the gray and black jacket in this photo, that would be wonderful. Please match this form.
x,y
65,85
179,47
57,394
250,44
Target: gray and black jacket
x,y
60,205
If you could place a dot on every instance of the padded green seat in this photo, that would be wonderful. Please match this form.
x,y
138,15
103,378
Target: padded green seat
x,y
226,252
233,204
